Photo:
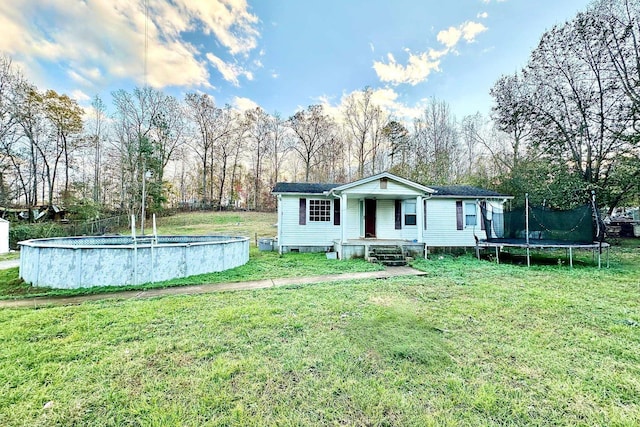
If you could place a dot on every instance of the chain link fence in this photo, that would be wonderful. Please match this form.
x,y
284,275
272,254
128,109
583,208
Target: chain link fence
x,y
97,227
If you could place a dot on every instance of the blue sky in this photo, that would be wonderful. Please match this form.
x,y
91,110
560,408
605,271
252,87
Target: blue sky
x,y
280,55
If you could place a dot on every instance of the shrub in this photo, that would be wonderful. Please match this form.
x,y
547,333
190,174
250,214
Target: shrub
x,y
20,232
83,210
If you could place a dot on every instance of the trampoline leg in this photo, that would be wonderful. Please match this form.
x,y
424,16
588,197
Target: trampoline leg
x,y
570,256
528,258
497,256
478,252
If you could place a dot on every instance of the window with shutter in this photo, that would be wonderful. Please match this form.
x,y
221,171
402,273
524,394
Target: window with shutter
x,y
471,217
410,216
302,212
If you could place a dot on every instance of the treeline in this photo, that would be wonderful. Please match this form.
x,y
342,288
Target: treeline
x,y
564,125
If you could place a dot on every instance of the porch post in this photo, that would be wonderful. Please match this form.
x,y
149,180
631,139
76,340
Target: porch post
x,y
343,218
420,219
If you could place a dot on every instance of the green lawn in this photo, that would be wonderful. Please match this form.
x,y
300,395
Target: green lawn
x,y
249,224
471,343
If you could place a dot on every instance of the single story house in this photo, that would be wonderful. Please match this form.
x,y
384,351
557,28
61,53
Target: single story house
x,y
383,209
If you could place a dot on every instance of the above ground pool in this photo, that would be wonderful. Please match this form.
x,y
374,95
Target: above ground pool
x,y
82,262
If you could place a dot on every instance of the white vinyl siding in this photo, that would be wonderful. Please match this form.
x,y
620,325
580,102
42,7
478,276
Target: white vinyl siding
x,y
372,189
441,224
385,222
313,233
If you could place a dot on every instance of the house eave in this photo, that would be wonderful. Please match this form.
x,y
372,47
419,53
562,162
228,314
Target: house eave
x,y
288,193
411,184
453,196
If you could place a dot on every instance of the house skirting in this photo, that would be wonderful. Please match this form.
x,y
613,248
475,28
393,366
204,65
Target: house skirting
x,y
304,249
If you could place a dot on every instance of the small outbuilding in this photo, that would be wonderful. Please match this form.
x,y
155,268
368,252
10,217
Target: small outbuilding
x,y
4,236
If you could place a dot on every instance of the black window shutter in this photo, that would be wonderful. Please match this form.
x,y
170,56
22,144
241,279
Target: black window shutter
x,y
398,214
424,214
302,213
336,211
483,213
459,217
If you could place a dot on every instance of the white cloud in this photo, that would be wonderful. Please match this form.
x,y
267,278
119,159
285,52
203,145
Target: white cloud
x,y
230,21
76,77
483,15
417,69
244,104
421,65
450,37
109,39
80,96
471,29
385,98
230,72
468,30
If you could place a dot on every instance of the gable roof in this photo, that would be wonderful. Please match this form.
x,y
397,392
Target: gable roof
x,y
302,187
387,175
465,191
443,191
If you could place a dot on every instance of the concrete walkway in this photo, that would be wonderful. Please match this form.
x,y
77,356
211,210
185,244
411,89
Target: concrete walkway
x,y
9,264
208,288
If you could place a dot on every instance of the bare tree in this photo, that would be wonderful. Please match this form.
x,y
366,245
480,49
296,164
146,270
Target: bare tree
x,y
364,124
280,141
65,117
436,145
213,128
147,136
10,158
258,135
313,130
98,118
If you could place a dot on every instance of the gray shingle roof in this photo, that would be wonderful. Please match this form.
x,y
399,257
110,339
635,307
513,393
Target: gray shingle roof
x,y
463,191
444,190
303,187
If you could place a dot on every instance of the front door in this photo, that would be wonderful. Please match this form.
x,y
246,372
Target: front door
x,y
369,218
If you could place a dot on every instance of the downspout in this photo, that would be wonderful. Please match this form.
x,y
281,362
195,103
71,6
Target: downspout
x,y
343,220
427,197
280,214
343,211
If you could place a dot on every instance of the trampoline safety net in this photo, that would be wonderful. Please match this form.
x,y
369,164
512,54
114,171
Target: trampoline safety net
x,y
575,225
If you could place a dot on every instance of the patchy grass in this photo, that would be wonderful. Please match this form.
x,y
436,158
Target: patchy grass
x,y
249,224
10,256
471,343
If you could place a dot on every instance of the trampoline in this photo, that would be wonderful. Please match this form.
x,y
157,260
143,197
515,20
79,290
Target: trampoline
x,y
542,228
